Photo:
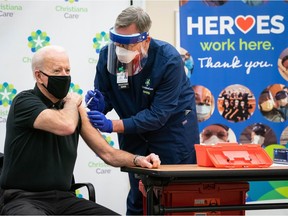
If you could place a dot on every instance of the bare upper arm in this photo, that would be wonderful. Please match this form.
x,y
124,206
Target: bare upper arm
x,y
55,121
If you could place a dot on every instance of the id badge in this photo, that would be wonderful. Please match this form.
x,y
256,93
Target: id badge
x,y
122,79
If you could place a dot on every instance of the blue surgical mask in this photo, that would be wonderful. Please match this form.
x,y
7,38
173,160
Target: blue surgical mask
x,y
189,64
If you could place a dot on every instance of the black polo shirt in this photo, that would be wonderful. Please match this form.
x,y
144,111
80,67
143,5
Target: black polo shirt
x,y
36,160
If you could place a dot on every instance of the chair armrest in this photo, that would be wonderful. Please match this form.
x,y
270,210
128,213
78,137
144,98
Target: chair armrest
x,y
90,188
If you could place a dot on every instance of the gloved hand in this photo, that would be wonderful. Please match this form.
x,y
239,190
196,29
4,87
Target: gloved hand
x,y
97,102
99,121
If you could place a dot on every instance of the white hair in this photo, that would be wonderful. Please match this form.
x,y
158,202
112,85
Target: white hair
x,y
39,57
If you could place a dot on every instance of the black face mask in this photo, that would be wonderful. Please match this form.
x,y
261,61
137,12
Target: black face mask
x,y
58,86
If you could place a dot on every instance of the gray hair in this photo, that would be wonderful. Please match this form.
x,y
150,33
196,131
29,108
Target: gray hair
x,y
134,15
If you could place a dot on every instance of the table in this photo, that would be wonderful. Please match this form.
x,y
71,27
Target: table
x,y
166,174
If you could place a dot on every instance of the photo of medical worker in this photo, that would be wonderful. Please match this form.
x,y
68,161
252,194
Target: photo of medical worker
x,y
188,62
259,134
271,101
204,102
283,64
236,103
217,133
284,137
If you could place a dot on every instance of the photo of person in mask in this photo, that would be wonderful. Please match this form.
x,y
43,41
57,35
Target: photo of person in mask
x,y
282,102
283,64
204,102
236,103
284,137
189,64
258,133
268,107
217,133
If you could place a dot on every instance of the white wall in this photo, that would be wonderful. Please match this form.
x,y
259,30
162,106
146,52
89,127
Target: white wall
x,y
162,13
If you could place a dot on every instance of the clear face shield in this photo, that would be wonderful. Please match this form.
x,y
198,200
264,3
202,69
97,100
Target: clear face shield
x,y
123,60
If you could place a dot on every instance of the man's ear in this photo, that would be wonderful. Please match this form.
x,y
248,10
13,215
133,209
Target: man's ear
x,y
37,75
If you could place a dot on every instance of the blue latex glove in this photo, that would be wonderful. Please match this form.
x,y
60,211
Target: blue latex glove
x,y
99,121
97,103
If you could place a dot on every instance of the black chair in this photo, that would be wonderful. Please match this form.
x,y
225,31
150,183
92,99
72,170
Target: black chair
x,y
74,186
89,186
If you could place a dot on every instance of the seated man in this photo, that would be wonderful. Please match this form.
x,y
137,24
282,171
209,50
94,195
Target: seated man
x,y
42,135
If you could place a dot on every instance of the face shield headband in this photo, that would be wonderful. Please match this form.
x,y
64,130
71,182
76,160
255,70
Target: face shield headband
x,y
127,39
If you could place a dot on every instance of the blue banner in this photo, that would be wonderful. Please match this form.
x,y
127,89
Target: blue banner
x,y
235,54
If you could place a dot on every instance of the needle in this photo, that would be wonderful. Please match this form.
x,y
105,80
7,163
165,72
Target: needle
x,y
89,101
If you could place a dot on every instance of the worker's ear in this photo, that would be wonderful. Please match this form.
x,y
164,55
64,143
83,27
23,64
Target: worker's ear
x,y
146,43
148,39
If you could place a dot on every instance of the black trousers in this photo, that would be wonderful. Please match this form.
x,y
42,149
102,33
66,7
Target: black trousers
x,y
19,202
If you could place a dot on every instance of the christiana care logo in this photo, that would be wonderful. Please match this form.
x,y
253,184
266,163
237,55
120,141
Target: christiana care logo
x,y
71,1
7,93
100,167
75,88
100,40
37,40
108,140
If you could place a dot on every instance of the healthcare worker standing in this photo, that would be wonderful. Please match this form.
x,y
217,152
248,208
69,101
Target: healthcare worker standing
x,y
144,80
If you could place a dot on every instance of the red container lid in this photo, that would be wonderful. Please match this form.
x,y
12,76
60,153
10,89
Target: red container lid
x,y
238,155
